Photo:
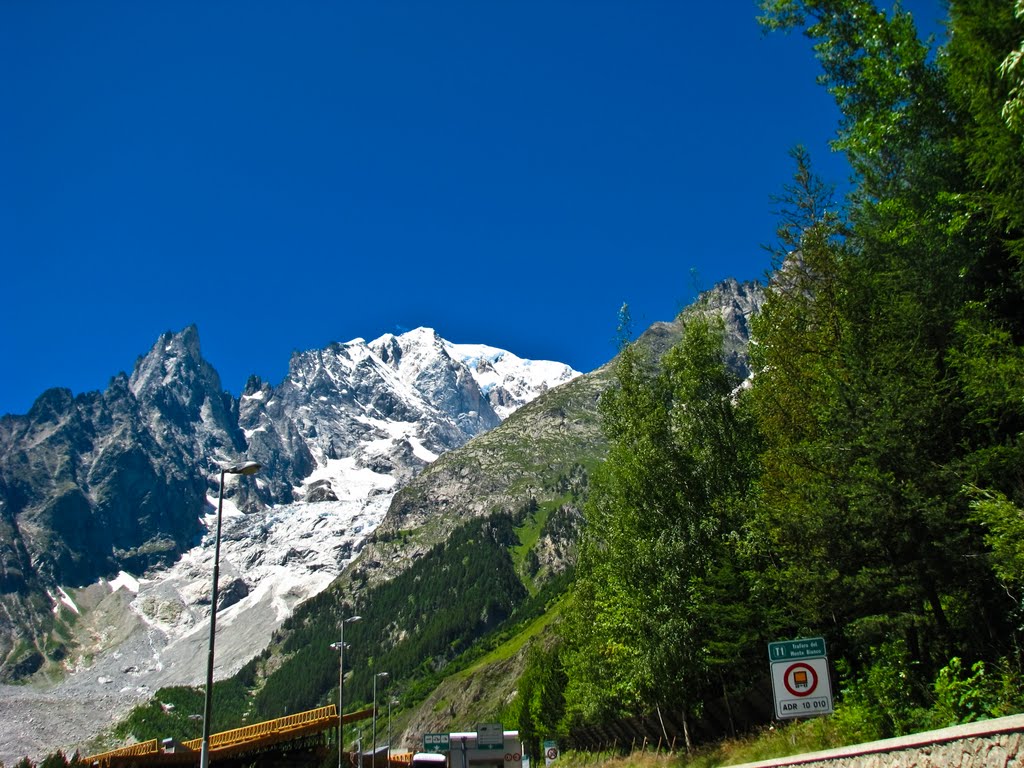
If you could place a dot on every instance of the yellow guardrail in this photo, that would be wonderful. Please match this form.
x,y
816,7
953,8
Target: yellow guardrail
x,y
249,733
236,740
150,747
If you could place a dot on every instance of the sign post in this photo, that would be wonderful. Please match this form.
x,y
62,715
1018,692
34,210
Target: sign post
x,y
800,678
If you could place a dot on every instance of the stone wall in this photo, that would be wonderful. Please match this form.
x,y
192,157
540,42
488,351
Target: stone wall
x,y
989,744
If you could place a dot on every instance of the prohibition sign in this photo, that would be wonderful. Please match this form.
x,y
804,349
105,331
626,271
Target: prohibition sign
x,y
800,677
804,679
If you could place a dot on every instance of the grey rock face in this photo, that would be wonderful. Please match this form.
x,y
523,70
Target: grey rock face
x,y
106,481
393,405
731,301
735,303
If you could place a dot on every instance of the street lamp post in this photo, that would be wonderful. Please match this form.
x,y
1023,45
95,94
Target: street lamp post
x,y
390,702
374,753
245,468
340,648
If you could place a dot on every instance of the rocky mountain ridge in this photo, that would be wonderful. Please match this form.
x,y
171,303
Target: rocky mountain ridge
x,y
124,479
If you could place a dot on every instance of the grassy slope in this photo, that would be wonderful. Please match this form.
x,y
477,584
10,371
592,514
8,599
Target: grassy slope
x,y
482,691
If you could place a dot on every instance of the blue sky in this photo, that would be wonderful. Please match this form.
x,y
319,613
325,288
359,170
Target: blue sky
x,y
285,175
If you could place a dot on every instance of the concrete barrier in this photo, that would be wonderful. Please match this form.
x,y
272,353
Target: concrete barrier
x,y
997,743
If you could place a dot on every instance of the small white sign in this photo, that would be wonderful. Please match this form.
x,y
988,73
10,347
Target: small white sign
x,y
550,752
490,735
802,688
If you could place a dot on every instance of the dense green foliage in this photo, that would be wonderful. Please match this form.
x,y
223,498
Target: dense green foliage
x,y
541,700
655,552
54,760
868,486
177,711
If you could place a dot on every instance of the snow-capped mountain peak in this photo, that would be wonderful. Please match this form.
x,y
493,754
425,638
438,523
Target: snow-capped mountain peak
x,y
509,381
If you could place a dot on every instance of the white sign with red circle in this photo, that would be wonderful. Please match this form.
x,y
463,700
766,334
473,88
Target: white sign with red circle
x,y
801,688
550,752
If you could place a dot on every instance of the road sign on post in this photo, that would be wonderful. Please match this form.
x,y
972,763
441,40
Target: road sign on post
x,y
807,648
550,752
436,742
800,678
490,736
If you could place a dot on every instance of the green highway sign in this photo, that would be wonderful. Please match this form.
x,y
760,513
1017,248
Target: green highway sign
x,y
436,742
805,648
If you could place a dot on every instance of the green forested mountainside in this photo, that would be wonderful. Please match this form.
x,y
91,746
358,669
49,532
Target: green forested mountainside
x,y
173,712
419,621
543,451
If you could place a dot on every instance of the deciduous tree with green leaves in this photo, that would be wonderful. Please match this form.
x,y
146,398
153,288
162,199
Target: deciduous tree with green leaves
x,y
541,696
643,615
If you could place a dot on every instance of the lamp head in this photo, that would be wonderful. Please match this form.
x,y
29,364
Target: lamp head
x,y
244,468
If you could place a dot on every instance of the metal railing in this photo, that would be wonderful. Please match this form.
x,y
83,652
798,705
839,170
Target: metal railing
x,y
132,750
267,733
276,727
